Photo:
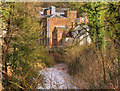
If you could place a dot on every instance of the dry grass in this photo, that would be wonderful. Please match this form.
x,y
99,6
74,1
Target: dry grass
x,y
93,69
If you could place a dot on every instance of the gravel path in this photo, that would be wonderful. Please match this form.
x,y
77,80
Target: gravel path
x,y
56,77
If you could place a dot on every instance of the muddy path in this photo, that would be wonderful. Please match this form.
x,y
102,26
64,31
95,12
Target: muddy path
x,y
57,77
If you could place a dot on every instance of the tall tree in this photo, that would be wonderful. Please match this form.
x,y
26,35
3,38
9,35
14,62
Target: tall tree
x,y
7,23
113,33
0,48
99,27
22,52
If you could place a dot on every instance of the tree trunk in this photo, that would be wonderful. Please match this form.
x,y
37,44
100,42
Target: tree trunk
x,y
5,51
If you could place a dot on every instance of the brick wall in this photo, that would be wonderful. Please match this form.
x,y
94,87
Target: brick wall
x,y
53,22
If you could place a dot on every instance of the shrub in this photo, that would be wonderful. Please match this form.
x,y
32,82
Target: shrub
x,y
92,67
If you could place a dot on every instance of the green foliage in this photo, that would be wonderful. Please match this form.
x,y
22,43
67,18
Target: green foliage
x,y
96,15
113,23
25,56
103,56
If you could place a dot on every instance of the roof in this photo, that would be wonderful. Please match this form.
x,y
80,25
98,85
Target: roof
x,y
57,16
79,27
52,16
45,16
59,12
56,10
61,9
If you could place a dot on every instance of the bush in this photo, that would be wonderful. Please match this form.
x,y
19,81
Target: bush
x,y
92,67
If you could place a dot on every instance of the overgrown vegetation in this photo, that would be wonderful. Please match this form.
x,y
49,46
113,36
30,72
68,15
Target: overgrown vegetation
x,y
86,64
94,65
23,56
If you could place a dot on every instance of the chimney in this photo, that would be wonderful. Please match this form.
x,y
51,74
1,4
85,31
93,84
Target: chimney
x,y
71,14
52,10
48,12
86,20
45,11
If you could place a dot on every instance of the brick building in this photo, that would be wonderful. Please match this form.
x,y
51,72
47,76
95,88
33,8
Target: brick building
x,y
57,22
